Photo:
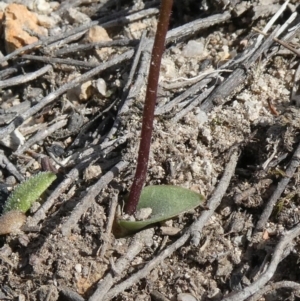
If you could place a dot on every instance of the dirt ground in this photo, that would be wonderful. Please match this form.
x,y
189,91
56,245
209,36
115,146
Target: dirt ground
x,y
227,125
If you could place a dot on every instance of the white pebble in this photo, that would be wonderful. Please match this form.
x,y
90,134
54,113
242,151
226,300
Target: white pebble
x,y
78,268
185,297
101,86
193,48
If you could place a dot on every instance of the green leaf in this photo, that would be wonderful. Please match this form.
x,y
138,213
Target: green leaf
x,y
28,192
166,201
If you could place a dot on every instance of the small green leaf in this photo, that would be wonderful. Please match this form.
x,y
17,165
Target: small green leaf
x,y
28,192
166,201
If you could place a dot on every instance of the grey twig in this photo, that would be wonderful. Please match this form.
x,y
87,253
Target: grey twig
x,y
97,45
86,76
216,197
54,60
194,103
131,18
111,217
6,164
194,26
52,96
41,135
157,296
104,148
136,246
135,62
70,295
21,79
260,283
86,202
187,93
294,164
47,41
128,97
53,46
236,80
7,72
275,286
193,231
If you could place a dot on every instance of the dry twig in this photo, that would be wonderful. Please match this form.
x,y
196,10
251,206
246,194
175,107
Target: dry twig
x,y
112,212
6,164
41,135
22,79
97,45
86,202
294,164
138,242
129,96
52,96
275,286
268,274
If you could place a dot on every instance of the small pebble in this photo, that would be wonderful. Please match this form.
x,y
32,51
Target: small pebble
x,y
76,16
101,86
143,214
201,117
43,6
97,34
46,21
11,181
78,268
171,231
185,297
93,171
193,48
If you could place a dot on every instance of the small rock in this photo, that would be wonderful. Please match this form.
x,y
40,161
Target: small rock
x,y
193,49
93,171
201,117
3,5
101,86
17,19
41,6
185,297
47,22
206,132
34,208
135,29
143,214
97,34
253,109
78,268
82,92
24,240
196,168
170,231
86,91
225,54
168,69
21,297
54,5
76,16
11,181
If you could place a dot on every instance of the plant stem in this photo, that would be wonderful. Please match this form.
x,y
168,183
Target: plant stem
x,y
150,101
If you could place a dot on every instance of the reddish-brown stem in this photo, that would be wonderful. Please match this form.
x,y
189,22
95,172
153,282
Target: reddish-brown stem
x,y
150,101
